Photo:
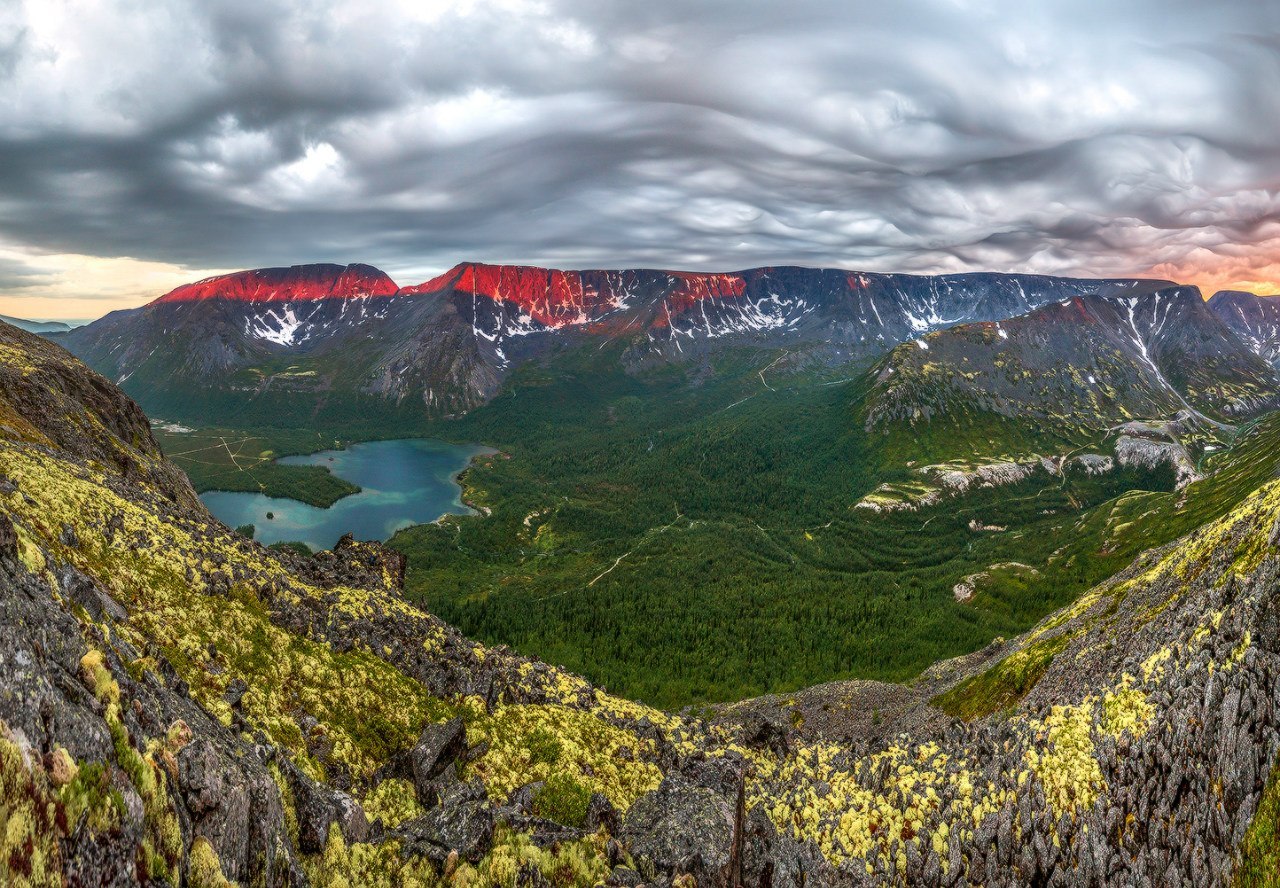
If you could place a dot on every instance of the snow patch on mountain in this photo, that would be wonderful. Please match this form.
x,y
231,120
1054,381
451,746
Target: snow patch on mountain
x,y
278,326
715,317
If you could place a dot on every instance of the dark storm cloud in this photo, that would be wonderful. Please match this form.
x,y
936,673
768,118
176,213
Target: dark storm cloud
x,y
1059,136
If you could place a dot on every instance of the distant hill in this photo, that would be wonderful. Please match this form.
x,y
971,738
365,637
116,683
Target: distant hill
x,y
38,326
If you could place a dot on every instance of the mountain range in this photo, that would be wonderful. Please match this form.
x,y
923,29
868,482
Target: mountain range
x,y
792,409
1255,319
1085,361
958,364
298,339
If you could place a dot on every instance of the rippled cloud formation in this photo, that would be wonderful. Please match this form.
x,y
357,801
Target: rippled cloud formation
x,y
1060,136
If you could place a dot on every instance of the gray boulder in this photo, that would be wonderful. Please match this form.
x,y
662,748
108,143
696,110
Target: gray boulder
x,y
681,828
462,823
438,747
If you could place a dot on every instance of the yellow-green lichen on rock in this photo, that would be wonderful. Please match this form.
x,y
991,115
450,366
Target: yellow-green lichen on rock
x,y
531,743
304,671
29,819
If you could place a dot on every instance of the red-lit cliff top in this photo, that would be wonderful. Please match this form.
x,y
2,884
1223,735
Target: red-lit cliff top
x,y
555,297
295,283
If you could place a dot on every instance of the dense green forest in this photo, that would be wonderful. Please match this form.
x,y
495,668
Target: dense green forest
x,y
690,545
688,535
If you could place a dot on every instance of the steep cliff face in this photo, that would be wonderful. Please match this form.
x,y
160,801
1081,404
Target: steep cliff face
x,y
178,703
549,297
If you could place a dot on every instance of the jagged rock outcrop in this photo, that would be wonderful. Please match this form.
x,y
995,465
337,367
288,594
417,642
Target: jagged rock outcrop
x,y
1144,445
942,482
1146,453
437,749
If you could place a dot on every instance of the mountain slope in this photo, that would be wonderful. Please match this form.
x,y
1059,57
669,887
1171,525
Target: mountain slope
x,y
183,706
1066,374
1255,319
280,345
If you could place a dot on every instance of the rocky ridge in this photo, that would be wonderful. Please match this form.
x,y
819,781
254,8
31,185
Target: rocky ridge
x,y
1148,445
1256,319
1092,359
298,283
182,706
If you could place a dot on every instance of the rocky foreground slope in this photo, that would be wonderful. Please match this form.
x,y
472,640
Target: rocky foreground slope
x,y
182,706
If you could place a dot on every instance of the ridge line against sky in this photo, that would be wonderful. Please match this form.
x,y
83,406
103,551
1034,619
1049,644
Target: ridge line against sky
x,y
146,147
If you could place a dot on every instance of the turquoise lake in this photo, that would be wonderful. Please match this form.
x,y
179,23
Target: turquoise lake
x,y
404,482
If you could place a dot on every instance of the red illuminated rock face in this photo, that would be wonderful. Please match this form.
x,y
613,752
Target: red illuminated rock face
x,y
296,283
691,287
560,298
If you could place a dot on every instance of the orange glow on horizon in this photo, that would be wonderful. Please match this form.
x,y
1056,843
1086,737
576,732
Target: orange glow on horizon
x,y
1212,273
1209,286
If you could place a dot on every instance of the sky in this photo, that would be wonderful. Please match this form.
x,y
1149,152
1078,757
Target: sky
x,y
146,143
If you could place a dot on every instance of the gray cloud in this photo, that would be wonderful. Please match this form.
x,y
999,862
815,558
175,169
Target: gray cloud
x,y
14,273
1057,136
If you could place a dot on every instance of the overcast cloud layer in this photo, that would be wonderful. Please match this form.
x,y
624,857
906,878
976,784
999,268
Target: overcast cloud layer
x,y
1065,137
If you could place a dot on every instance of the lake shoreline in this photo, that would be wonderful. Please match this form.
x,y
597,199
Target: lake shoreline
x,y
346,445
402,482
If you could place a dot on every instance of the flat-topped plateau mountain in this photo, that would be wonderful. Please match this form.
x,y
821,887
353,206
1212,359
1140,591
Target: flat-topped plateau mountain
x,y
314,340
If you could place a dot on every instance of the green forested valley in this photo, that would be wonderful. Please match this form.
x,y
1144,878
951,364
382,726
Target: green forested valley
x,y
689,536
688,546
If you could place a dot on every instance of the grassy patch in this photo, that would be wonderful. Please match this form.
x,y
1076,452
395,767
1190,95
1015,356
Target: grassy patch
x,y
1004,684
224,459
1259,865
562,799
